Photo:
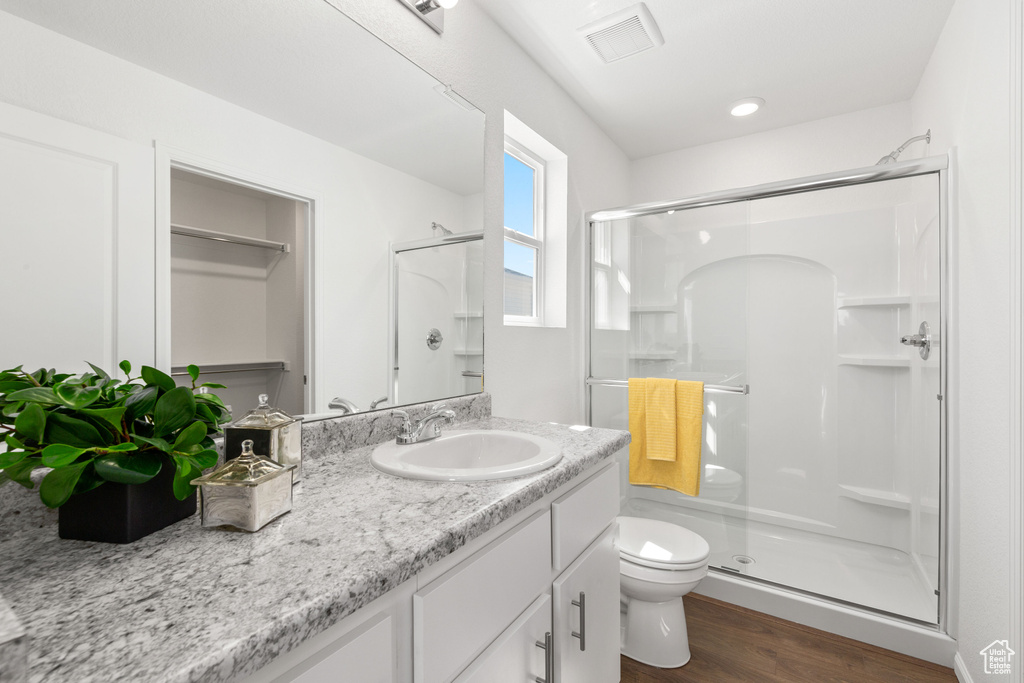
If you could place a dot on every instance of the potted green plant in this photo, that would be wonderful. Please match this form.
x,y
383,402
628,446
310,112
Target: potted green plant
x,y
122,454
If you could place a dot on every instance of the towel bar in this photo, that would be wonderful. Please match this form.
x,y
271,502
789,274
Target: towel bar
x,y
708,388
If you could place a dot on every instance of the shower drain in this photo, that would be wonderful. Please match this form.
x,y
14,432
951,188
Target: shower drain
x,y
743,559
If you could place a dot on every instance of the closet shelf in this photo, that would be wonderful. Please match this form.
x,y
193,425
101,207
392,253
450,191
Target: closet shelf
x,y
875,496
218,236
875,361
221,368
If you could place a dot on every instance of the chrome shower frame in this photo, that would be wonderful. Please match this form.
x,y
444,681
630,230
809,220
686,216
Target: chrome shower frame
x,y
942,167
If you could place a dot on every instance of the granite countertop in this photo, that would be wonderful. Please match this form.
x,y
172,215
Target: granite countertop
x,y
194,604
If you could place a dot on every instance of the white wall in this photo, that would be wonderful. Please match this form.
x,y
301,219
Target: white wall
x,y
532,373
833,144
965,97
51,74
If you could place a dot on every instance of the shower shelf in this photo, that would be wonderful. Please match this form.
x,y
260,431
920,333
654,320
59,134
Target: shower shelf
x,y
875,361
875,496
467,352
653,308
664,355
858,301
468,314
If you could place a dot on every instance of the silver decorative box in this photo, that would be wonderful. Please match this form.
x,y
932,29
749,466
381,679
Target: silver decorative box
x,y
247,492
274,433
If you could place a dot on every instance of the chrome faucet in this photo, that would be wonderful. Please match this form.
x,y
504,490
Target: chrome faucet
x,y
426,429
343,404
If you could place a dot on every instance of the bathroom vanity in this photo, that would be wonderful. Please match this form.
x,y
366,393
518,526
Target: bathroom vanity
x,y
370,577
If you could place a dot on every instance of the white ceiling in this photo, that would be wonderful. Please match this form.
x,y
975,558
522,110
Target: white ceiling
x,y
300,62
808,59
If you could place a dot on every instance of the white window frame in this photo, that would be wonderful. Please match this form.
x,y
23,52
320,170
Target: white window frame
x,y
536,241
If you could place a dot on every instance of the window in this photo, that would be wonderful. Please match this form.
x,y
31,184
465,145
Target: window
x,y
524,236
536,202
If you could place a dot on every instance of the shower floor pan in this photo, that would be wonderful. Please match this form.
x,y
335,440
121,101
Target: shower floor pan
x,y
854,572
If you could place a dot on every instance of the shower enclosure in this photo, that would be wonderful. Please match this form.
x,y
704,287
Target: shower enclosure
x,y
815,312
437,318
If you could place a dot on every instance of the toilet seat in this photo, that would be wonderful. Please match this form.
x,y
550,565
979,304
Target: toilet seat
x,y
661,545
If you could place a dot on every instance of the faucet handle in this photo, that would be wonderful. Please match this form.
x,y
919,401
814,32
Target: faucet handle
x,y
438,406
406,422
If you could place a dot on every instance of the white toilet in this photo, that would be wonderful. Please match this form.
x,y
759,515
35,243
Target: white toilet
x,y
659,563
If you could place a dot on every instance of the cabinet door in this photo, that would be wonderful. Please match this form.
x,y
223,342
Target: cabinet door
x,y
586,615
76,224
364,656
516,656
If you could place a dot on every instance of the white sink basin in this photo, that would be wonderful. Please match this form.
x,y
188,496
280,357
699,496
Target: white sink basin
x,y
468,456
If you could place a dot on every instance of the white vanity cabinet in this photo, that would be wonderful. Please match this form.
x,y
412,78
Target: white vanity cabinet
x,y
535,599
586,616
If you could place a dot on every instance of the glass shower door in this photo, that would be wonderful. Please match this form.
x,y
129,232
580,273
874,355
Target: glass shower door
x,y
826,477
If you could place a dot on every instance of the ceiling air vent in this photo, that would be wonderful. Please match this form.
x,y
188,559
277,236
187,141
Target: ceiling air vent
x,y
623,33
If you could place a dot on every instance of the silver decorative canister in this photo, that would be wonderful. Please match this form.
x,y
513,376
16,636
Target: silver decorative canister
x,y
273,432
246,492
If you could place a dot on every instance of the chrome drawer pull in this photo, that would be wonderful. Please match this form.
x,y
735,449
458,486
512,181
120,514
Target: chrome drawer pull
x,y
549,659
582,635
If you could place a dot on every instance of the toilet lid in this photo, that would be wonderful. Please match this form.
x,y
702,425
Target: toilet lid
x,y
654,543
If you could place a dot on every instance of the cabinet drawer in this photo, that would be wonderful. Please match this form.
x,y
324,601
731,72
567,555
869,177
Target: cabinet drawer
x,y
515,656
364,656
578,517
459,614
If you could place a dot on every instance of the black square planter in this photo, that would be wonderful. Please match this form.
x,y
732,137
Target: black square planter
x,y
122,513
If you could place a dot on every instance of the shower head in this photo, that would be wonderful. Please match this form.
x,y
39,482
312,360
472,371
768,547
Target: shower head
x,y
892,156
437,226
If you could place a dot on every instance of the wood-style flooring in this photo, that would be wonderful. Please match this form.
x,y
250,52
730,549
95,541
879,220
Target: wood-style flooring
x,y
733,644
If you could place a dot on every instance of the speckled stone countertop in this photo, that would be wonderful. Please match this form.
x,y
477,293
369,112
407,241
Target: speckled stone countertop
x,y
194,604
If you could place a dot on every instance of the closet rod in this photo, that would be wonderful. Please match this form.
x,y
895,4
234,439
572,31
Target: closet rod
x,y
217,236
708,388
220,368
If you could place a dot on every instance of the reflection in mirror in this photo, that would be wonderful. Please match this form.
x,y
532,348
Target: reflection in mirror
x,y
316,104
438,335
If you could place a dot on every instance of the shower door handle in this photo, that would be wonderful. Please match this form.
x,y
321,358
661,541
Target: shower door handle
x,y
922,340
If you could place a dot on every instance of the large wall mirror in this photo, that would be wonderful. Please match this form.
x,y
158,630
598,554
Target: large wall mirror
x,y
349,276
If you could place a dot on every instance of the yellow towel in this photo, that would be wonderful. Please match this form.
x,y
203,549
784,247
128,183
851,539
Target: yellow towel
x,y
683,473
660,418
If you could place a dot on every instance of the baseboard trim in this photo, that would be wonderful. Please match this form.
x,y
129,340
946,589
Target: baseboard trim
x,y
960,669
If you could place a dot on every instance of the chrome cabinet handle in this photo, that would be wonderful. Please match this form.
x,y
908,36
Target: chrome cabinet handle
x,y
582,635
549,659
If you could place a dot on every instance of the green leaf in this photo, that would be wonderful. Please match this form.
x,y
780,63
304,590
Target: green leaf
x,y
184,473
20,472
31,422
78,396
13,443
142,402
111,416
59,455
124,468
13,409
35,395
118,448
8,386
99,371
126,368
193,372
204,413
212,399
174,410
59,484
61,429
204,460
213,385
190,436
162,444
89,479
8,458
153,376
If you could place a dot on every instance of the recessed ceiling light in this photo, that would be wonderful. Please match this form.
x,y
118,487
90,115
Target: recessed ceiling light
x,y
746,106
